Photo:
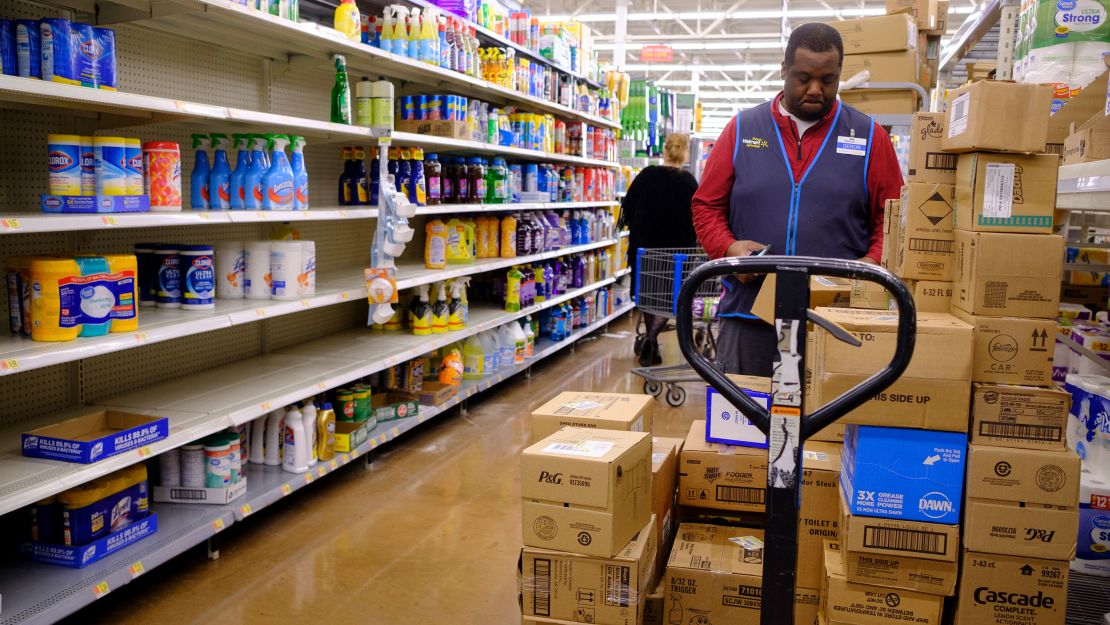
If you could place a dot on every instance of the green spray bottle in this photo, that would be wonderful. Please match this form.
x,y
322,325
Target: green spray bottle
x,y
341,93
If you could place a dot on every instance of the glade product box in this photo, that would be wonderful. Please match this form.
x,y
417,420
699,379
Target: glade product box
x,y
1006,192
94,436
928,163
78,557
900,473
997,116
1005,589
606,411
1023,417
991,279
714,575
819,512
724,423
1012,350
861,604
217,496
721,477
586,491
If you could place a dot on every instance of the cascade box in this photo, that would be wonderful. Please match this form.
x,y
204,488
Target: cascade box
x,y
1011,590
588,589
93,436
75,557
216,496
997,116
1022,417
926,235
1011,350
1006,192
394,405
886,33
721,477
884,66
930,295
881,101
934,577
714,575
664,477
819,511
724,423
349,435
924,12
586,491
1032,530
807,605
991,279
898,537
605,411
861,604
1025,475
823,291
899,473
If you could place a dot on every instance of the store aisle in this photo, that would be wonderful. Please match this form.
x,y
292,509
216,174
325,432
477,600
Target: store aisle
x,y
429,534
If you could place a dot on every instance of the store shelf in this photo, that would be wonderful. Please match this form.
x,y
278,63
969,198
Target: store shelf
x,y
33,222
463,145
970,33
1084,186
133,109
459,209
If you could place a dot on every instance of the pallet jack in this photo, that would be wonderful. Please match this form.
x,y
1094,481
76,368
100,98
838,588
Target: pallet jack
x,y
783,424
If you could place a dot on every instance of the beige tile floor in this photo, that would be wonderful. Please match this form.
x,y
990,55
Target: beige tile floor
x,y
428,534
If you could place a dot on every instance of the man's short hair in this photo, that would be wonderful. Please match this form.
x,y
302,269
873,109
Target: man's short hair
x,y
815,36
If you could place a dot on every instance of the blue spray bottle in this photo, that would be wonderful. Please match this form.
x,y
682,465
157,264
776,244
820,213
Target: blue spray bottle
x,y
277,183
219,179
300,174
252,182
198,198
239,175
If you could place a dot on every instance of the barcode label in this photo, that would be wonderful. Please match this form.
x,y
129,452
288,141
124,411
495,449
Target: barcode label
x,y
899,539
617,579
541,578
194,494
932,245
941,160
739,494
998,192
586,449
994,294
960,109
1019,431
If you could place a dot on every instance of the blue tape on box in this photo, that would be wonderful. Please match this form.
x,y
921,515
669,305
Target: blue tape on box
x,y
95,204
897,473
80,557
38,444
724,423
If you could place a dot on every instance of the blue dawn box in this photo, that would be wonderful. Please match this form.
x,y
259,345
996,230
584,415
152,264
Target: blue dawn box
x,y
80,557
724,423
95,204
94,436
897,473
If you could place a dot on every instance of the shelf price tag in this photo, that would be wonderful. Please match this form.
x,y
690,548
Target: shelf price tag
x,y
145,451
259,312
334,465
305,303
394,432
345,458
286,489
101,589
321,471
385,140
217,525
108,220
267,406
246,509
10,223
137,570
10,364
307,478
141,337
354,454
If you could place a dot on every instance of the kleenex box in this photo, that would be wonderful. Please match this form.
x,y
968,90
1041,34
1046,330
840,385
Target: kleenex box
x,y
94,436
897,473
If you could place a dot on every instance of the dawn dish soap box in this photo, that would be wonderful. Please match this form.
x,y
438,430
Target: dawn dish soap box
x,y
94,436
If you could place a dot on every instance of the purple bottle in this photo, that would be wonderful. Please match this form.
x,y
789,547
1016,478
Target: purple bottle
x,y
578,277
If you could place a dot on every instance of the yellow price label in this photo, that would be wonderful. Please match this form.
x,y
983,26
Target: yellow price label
x,y
260,312
137,570
345,458
354,454
140,337
321,386
394,432
334,465
307,478
344,295
202,216
342,213
321,471
218,524
108,220
266,405
261,214
286,489
11,364
145,451
101,589
245,509
305,303
10,223
385,140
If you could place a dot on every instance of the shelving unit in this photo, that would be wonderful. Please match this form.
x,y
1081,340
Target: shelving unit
x,y
463,145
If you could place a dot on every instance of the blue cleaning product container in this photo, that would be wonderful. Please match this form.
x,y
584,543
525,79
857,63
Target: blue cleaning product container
x,y
199,196
277,183
300,173
8,64
105,505
219,178
88,51
97,295
252,183
28,48
239,175
59,52
106,58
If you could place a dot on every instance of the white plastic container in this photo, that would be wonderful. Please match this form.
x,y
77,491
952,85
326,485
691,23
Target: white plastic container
x,y
295,454
306,277
169,468
231,270
274,431
258,441
529,338
256,258
192,466
285,265
308,418
506,345
491,354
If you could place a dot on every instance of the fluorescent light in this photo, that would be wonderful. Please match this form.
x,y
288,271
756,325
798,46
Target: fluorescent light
x,y
735,15
702,67
738,95
717,83
697,45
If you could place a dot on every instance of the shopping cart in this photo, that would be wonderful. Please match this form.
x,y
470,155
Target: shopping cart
x,y
660,273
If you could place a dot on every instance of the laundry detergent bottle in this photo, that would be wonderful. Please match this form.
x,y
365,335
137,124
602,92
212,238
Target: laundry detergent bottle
x,y
239,175
277,183
300,174
219,180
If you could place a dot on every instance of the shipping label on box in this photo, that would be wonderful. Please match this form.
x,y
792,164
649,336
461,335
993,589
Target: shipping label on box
x,y
926,237
1006,192
1025,475
993,279
886,33
1011,590
928,163
1024,417
872,605
724,423
606,411
1036,531
1012,350
998,116
721,477
898,537
908,403
934,577
883,66
819,511
714,574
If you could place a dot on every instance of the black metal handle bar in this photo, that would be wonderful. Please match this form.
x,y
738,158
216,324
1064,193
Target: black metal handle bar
x,y
850,269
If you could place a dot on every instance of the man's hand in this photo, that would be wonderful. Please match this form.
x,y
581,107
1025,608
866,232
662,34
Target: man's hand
x,y
868,260
744,248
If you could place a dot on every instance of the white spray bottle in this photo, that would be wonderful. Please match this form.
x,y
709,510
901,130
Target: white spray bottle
x,y
258,441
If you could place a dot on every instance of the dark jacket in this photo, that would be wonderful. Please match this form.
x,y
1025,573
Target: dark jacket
x,y
657,210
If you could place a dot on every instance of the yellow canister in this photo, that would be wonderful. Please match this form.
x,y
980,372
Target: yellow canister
x,y
55,303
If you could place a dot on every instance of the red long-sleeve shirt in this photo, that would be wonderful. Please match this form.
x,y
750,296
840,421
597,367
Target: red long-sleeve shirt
x,y
711,203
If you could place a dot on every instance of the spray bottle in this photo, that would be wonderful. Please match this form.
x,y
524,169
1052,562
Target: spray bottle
x,y
277,183
428,44
252,182
242,164
388,21
400,30
414,21
455,308
529,338
360,189
201,171
219,178
341,93
440,310
422,313
300,174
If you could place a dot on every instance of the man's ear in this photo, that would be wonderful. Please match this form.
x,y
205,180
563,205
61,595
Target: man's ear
x,y
782,71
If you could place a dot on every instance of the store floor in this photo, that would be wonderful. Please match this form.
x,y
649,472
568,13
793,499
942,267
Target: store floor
x,y
429,534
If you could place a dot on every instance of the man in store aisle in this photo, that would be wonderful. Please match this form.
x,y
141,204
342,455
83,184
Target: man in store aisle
x,y
803,173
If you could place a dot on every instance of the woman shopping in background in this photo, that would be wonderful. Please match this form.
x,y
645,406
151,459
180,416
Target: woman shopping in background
x,y
657,211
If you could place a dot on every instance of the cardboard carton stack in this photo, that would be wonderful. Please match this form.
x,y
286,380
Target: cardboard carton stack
x,y
887,47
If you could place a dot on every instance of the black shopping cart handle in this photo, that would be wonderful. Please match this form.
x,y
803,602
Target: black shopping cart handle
x,y
850,269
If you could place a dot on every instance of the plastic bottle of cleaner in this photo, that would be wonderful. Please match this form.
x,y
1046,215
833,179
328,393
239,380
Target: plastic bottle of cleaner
x,y
275,428
512,289
491,358
258,441
508,236
300,173
507,343
308,421
325,432
219,179
428,44
96,298
364,108
277,183
422,313
529,338
404,172
242,164
440,310
198,198
295,454
418,186
341,91
458,248
252,182
347,20
520,342
435,245
473,358
414,22
455,310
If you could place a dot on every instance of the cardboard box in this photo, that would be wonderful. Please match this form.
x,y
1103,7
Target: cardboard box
x,y
908,403
75,557
1011,350
869,295
819,513
1011,590
883,66
892,218
991,279
435,128
1094,297
349,435
933,577
437,393
924,12
721,477
823,291
724,423
1089,142
1021,417
881,101
898,537
664,480
394,405
931,295
588,589
714,575
807,604
863,604
886,33
1033,530
928,163
997,116
1025,475
93,436
926,236
903,474
606,411
942,19
586,491
1006,192
215,496
653,602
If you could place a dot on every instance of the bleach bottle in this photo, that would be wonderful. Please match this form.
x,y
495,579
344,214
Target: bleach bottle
x,y
300,174
238,176
198,198
219,179
277,183
252,182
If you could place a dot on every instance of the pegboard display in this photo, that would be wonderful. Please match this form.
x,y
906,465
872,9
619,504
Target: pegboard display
x,y
282,332
32,394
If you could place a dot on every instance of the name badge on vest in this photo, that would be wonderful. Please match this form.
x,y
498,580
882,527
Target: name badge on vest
x,y
852,146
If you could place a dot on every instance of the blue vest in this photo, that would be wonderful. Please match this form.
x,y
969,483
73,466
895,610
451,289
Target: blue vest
x,y
827,213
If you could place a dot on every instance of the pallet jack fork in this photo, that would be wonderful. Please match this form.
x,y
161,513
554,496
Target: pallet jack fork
x,y
784,425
